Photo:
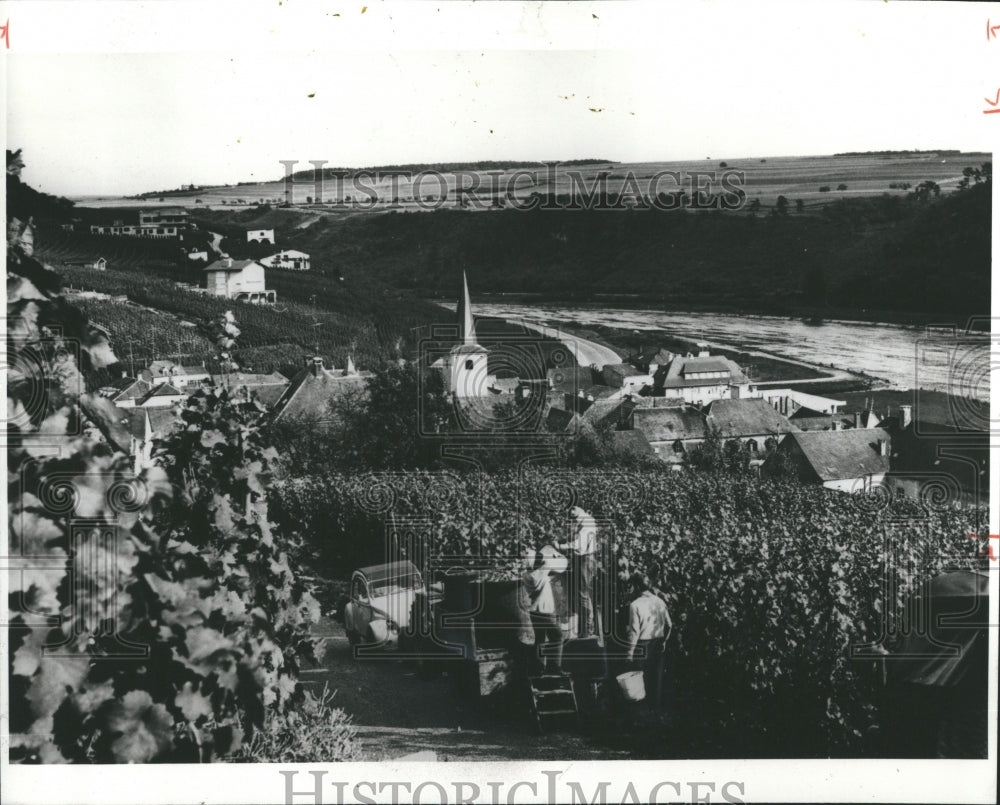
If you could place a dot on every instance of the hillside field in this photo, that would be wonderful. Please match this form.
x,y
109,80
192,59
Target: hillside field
x,y
797,178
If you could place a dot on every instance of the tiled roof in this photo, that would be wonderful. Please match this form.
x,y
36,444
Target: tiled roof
x,y
228,265
309,394
165,390
674,375
558,420
130,388
694,365
161,421
669,423
632,441
608,412
836,455
749,417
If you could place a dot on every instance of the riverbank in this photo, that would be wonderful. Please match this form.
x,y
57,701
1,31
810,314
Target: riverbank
x,y
804,313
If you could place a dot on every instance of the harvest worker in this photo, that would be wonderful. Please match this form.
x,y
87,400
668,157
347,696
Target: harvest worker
x,y
540,567
584,553
649,627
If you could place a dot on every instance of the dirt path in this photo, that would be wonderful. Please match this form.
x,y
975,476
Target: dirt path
x,y
398,713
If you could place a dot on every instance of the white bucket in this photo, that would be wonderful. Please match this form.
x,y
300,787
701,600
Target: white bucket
x,y
632,685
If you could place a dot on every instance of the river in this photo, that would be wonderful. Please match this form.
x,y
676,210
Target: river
x,y
905,357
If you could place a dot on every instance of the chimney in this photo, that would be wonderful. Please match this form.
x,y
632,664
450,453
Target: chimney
x,y
883,447
316,365
702,349
857,419
905,415
837,424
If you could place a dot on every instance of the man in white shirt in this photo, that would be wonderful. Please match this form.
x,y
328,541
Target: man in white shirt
x,y
584,552
649,627
540,567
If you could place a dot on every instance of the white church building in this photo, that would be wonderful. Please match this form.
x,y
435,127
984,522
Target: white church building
x,y
465,368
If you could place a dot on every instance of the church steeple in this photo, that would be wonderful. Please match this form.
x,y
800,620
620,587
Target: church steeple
x,y
466,325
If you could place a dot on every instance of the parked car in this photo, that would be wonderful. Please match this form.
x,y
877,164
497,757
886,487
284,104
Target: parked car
x,y
380,605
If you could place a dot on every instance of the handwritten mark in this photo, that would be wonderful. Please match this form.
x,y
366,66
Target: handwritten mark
x,y
5,33
988,550
991,30
995,103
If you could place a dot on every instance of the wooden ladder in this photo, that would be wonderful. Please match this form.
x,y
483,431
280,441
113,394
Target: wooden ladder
x,y
552,697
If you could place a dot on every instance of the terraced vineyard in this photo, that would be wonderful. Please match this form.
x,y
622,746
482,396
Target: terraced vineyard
x,y
272,337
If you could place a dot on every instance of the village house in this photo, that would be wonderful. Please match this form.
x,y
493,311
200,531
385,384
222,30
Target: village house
x,y
650,359
752,422
166,222
700,379
260,236
162,395
266,388
178,375
238,279
309,396
853,460
145,425
933,459
288,259
126,391
626,377
673,429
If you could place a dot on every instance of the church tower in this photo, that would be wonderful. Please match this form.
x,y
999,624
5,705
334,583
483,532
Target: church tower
x,y
469,375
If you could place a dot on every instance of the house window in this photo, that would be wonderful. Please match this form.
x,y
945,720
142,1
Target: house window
x,y
678,446
468,365
752,445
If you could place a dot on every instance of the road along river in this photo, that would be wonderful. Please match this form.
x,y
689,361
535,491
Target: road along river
x,y
906,357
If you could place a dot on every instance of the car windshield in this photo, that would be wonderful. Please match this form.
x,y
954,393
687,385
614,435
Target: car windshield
x,y
395,585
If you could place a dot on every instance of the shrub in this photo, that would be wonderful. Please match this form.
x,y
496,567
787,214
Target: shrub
x,y
317,732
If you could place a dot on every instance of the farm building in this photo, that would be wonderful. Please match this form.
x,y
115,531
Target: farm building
x,y
308,397
238,279
853,460
260,236
290,260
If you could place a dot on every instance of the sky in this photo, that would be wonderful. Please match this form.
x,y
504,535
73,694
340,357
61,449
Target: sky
x,y
160,94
